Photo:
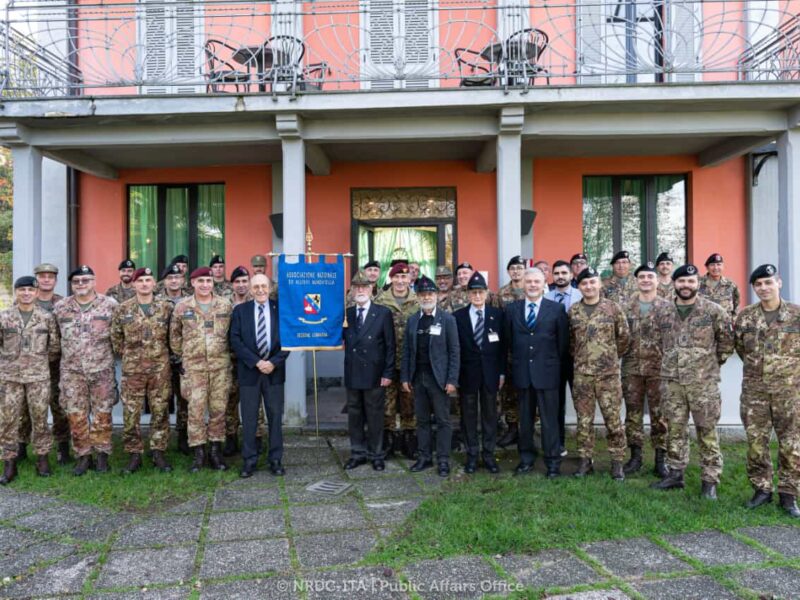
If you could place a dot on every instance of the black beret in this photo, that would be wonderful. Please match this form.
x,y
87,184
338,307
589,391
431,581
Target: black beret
x,y
173,269
684,271
372,263
477,282
620,255
664,257
82,270
26,281
647,267
464,265
587,273
181,258
578,257
426,284
762,272
714,259
515,260
216,260
126,264
239,271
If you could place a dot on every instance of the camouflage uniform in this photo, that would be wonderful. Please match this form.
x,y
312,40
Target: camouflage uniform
x,y
666,290
641,376
26,350
142,341
618,290
725,293
771,394
458,298
181,408
224,288
507,396
88,388
398,401
692,352
597,341
120,293
201,341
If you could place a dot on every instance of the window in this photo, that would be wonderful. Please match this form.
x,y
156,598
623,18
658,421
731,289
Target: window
x,y
167,220
643,215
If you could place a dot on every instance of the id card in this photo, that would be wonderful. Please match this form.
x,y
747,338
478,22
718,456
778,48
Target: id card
x,y
435,330
493,337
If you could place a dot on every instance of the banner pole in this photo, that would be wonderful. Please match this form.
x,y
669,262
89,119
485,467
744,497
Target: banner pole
x,y
316,397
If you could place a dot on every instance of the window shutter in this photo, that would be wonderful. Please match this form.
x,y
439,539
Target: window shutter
x,y
417,33
684,31
154,45
591,43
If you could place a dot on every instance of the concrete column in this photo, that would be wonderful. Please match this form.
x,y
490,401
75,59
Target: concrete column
x,y
509,187
527,244
55,245
277,201
294,231
789,212
27,209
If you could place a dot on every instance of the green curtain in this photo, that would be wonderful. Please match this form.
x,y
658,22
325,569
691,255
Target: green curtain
x,y
598,221
210,222
363,246
632,205
176,228
671,216
418,245
143,225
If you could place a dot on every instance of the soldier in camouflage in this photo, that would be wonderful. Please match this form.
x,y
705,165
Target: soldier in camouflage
x,y
258,265
664,265
88,387
373,272
716,287
198,334
641,374
620,287
458,295
444,283
577,263
403,303
767,338
139,334
222,287
696,338
123,290
599,336
29,340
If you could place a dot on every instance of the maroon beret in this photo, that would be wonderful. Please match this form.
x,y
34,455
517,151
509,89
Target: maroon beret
x,y
142,272
200,272
398,268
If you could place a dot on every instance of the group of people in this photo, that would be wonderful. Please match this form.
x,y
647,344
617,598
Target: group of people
x,y
657,335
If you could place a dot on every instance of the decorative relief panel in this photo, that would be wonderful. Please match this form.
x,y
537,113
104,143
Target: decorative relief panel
x,y
403,203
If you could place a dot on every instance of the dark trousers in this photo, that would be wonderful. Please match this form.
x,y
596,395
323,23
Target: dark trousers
x,y
250,398
366,407
546,402
430,398
471,403
567,377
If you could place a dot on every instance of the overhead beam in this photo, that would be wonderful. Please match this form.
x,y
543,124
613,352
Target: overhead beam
x,y
82,162
793,117
486,162
732,148
317,161
409,128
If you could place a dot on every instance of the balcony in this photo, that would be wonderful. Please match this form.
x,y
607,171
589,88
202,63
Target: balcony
x,y
64,48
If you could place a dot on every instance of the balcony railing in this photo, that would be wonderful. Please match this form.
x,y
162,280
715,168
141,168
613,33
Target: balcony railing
x,y
55,48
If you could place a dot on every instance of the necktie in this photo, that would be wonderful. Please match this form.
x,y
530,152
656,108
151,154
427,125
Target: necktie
x,y
262,339
560,297
531,321
478,333
360,317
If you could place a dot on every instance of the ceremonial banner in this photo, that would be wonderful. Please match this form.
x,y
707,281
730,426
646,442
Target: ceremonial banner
x,y
311,301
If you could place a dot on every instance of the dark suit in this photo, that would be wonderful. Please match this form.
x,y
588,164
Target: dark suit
x,y
369,356
479,376
429,380
536,362
255,385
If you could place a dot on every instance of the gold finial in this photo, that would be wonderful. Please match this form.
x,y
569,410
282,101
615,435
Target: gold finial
x,y
309,239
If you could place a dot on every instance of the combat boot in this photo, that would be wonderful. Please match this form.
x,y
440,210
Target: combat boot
x,y
585,467
9,472
134,464
62,453
789,504
102,462
760,497
673,480
617,470
635,462
660,468
215,457
42,466
231,445
199,459
160,463
183,442
84,464
708,490
510,437
22,451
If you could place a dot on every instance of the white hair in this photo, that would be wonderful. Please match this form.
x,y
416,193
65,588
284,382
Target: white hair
x,y
534,271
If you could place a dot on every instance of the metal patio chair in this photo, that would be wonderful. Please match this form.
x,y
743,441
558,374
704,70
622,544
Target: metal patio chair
x,y
219,72
475,68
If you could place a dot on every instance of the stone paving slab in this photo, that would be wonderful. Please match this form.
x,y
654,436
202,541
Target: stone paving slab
x,y
311,473
329,549
27,557
298,494
309,456
391,512
365,583
245,558
549,569
715,548
312,441
327,517
99,531
13,540
458,578
64,577
613,594
389,487
62,517
261,478
430,480
159,594
248,498
784,540
781,583
161,531
634,557
14,504
246,525
366,472
144,567
195,505
685,588
272,587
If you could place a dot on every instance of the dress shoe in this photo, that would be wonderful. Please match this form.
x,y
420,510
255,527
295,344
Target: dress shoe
x,y
43,466
491,465
354,462
617,470
247,470
183,442
378,464
160,462
215,457
22,451
62,454
660,468
84,464
276,468
134,464
708,490
421,465
471,465
444,469
789,504
634,464
510,437
760,497
9,472
523,469
673,481
231,445
585,467
102,463
410,444
199,459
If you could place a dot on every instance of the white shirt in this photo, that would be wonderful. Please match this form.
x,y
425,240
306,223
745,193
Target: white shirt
x,y
473,315
267,318
528,305
433,313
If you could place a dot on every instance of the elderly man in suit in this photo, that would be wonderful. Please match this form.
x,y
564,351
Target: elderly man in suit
x,y
429,369
255,340
538,335
482,371
369,360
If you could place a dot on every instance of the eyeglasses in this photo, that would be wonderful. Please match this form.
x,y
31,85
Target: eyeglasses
x,y
81,281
